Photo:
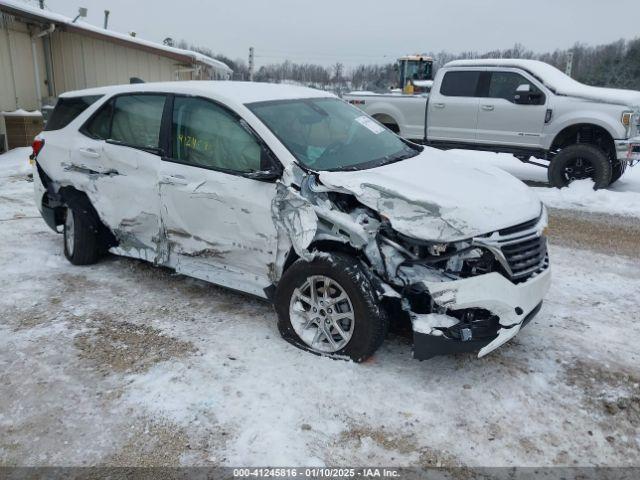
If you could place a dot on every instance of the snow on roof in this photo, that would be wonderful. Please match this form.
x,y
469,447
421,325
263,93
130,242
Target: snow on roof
x,y
14,7
557,81
21,113
239,92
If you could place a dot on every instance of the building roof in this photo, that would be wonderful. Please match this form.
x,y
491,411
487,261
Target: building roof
x,y
45,17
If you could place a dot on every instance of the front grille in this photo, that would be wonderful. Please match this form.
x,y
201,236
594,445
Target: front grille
x,y
526,257
520,250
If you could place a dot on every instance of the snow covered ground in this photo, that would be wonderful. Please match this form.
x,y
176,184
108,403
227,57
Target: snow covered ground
x,y
122,363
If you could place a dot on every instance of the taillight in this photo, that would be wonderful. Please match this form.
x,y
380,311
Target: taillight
x,y
37,145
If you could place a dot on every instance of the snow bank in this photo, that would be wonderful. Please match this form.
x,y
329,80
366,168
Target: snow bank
x,y
580,195
557,81
15,162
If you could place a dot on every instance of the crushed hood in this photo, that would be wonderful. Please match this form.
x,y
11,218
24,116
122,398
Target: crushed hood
x,y
437,196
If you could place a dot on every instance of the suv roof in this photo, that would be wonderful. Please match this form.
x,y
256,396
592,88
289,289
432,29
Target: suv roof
x,y
240,92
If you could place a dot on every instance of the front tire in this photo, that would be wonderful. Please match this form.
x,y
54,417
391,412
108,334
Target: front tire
x,y
328,307
618,169
82,244
579,162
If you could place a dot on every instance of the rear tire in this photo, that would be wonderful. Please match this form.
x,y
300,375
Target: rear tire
x,y
82,245
331,276
577,162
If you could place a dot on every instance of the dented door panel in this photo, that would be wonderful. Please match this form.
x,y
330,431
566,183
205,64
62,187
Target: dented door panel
x,y
219,226
122,186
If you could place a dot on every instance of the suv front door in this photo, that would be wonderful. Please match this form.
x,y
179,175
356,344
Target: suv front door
x,y
502,121
217,219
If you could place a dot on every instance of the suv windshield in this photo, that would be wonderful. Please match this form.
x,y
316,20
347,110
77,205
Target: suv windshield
x,y
329,134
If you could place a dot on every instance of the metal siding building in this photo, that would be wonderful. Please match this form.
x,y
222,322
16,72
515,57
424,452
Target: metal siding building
x,y
43,54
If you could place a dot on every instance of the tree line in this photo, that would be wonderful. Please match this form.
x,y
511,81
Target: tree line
x,y
615,65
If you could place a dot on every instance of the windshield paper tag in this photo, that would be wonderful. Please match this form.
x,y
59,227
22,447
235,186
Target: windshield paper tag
x,y
371,124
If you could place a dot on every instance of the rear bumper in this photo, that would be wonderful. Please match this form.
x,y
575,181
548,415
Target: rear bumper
x,y
44,203
508,306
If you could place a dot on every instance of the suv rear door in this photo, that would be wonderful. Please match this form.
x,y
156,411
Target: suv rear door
x,y
453,107
118,155
501,120
217,219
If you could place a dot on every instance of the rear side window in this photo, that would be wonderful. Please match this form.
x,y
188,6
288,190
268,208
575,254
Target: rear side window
x,y
99,126
460,84
67,109
133,120
136,120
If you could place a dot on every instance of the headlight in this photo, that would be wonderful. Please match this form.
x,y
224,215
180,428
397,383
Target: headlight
x,y
626,118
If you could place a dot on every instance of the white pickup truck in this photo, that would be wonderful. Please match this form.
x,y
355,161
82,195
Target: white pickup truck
x,y
524,107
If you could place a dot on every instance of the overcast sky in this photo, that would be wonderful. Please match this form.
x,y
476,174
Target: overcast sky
x,y
361,31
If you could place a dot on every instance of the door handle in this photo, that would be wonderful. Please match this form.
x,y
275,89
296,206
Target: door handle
x,y
89,152
173,180
438,105
488,108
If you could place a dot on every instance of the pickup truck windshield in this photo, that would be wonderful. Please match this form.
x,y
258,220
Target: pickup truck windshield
x,y
329,134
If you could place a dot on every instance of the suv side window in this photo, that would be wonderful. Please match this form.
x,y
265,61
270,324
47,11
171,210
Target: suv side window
x,y
205,134
67,110
137,119
99,126
133,120
460,84
504,85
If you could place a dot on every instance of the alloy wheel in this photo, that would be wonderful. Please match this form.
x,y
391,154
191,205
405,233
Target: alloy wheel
x,y
322,315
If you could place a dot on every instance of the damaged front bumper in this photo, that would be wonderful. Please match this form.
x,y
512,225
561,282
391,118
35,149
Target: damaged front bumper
x,y
482,313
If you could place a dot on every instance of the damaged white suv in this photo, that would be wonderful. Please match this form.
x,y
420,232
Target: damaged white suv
x,y
295,196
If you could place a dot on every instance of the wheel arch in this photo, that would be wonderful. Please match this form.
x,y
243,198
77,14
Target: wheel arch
x,y
325,246
586,132
77,199
388,121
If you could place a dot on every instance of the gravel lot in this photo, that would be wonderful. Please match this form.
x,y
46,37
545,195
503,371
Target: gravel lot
x,y
122,363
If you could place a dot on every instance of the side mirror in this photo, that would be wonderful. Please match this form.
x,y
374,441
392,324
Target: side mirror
x,y
265,175
525,95
521,97
271,168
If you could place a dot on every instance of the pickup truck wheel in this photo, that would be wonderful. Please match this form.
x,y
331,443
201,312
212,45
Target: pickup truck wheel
x,y
327,307
82,245
618,169
579,162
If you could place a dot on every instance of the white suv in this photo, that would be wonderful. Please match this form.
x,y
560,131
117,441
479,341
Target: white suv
x,y
293,195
